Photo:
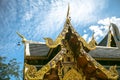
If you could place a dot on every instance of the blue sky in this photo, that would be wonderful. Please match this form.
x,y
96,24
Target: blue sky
x,y
36,19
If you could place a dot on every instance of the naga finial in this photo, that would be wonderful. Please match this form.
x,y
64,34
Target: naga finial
x,y
23,38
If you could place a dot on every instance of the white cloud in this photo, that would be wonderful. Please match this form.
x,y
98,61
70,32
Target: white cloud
x,y
102,28
107,21
104,21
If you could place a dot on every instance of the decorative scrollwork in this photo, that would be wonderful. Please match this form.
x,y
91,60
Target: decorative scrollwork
x,y
52,44
90,46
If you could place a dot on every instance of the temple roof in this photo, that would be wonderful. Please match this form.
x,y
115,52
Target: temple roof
x,y
38,49
106,49
68,48
107,53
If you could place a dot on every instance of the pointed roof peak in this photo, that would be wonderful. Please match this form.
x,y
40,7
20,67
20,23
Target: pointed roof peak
x,y
68,11
68,14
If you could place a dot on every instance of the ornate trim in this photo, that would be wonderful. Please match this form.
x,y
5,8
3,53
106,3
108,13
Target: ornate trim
x,y
40,74
72,74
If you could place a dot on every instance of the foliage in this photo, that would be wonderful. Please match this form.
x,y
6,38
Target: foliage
x,y
9,69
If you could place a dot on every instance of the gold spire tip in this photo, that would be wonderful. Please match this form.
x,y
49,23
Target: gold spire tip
x,y
68,11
